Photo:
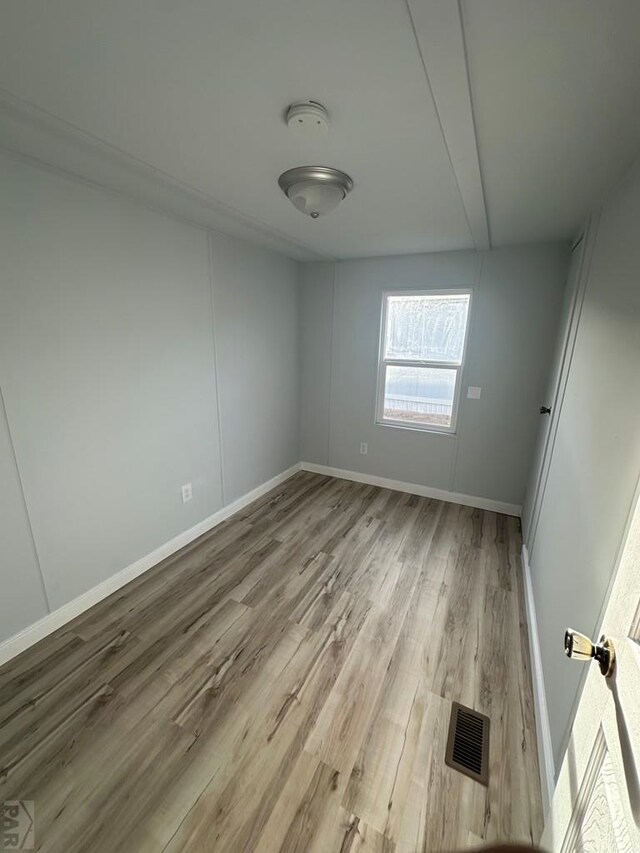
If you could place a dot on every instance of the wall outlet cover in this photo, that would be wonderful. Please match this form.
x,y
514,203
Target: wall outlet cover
x,y
364,448
187,493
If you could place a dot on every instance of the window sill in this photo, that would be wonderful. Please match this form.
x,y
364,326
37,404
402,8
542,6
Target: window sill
x,y
427,430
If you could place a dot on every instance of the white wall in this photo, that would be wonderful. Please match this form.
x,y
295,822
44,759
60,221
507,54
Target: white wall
x,y
108,375
596,459
22,600
256,331
316,322
518,293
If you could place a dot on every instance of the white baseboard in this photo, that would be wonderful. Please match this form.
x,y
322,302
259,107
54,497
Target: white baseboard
x,y
52,621
543,732
415,489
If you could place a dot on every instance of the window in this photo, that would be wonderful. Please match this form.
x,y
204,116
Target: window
x,y
422,348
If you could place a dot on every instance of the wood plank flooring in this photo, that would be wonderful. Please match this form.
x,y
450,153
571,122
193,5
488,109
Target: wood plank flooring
x,y
285,684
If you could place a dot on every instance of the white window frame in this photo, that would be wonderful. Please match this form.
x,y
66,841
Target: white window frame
x,y
383,362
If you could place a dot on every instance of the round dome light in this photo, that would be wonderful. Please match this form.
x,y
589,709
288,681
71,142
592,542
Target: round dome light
x,y
315,190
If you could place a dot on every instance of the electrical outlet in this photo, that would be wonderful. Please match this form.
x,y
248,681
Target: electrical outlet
x,y
364,448
187,493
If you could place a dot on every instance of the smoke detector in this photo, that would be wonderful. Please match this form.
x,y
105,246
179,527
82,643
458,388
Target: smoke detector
x,y
308,118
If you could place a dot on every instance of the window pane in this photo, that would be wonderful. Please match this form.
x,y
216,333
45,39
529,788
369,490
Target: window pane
x,y
422,396
430,328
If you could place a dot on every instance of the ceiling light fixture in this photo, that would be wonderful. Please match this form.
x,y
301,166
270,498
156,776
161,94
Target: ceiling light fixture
x,y
315,190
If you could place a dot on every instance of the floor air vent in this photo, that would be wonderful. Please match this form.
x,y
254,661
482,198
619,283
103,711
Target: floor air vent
x,y
468,743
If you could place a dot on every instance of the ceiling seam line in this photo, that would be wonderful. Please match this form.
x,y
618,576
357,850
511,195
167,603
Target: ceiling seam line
x,y
437,111
476,142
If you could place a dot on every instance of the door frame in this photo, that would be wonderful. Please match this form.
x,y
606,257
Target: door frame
x,y
584,244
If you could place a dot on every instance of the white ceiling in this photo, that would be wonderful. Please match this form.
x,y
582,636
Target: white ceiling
x,y
556,96
503,121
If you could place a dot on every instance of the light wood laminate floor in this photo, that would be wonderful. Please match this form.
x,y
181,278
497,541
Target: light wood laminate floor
x,y
285,684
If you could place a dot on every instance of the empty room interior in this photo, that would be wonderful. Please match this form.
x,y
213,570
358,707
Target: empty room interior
x,y
320,426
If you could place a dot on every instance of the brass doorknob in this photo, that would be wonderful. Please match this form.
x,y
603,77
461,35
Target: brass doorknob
x,y
580,647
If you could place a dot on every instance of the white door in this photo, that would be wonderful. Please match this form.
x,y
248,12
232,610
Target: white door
x,y
596,804
569,318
